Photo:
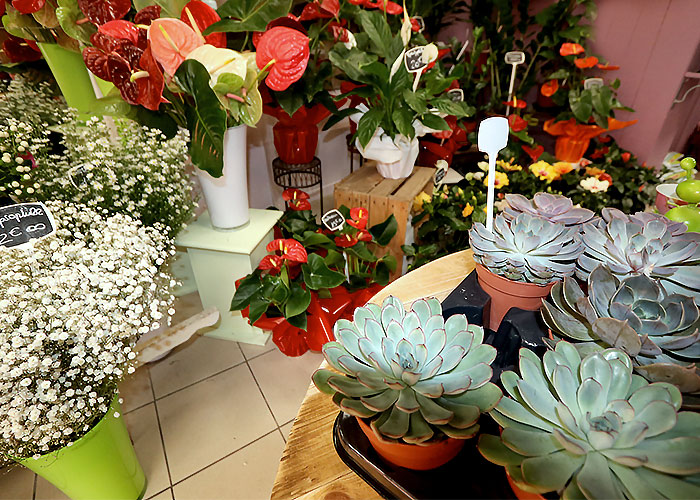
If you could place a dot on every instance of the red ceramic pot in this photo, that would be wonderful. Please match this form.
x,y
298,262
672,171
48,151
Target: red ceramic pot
x,y
414,456
295,144
506,294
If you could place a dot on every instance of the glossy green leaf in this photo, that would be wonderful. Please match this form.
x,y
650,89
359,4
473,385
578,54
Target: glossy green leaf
x,y
384,231
250,285
299,300
248,15
318,275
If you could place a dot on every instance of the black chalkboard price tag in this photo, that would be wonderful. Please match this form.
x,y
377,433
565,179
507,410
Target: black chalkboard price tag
x,y
413,59
456,95
24,222
333,220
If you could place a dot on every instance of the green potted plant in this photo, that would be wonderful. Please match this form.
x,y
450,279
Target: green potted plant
x,y
519,262
399,106
63,354
658,330
416,383
586,427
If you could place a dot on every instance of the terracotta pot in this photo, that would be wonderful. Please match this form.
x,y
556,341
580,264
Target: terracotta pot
x,y
413,456
522,494
506,293
295,144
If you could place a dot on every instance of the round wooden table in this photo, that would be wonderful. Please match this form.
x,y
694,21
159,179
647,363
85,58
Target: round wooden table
x,y
310,467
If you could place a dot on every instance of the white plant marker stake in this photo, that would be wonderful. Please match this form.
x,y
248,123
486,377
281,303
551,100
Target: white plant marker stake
x,y
493,136
513,58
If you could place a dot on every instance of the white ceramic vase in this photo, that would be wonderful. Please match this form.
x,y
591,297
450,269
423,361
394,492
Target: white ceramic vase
x,y
395,157
227,196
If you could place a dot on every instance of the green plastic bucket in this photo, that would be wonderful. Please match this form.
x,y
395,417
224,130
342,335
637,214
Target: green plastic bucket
x,y
99,466
72,77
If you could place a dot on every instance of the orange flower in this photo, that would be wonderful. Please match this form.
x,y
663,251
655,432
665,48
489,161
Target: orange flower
x,y
586,62
548,89
570,49
516,103
607,67
562,167
625,156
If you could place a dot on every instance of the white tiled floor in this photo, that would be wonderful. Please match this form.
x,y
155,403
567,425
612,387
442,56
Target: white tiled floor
x,y
208,422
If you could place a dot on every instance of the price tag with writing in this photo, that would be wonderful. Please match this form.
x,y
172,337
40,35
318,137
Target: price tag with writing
x,y
457,95
333,220
421,23
24,222
413,59
440,172
78,175
592,83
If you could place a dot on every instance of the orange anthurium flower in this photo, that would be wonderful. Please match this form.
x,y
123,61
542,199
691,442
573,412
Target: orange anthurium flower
x,y
548,89
607,67
586,62
570,49
516,103
625,156
171,41
535,152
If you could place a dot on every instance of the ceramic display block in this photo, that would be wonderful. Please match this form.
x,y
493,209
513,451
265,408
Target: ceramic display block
x,y
218,258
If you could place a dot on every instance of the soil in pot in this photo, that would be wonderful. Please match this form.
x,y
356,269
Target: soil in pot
x,y
506,294
413,456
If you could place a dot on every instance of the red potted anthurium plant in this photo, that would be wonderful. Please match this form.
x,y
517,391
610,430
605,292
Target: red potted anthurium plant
x,y
211,90
313,276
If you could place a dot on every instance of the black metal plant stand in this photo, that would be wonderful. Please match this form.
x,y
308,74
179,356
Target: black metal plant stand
x,y
300,176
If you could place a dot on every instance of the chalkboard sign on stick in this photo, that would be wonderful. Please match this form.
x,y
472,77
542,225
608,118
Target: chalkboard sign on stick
x,y
333,220
24,222
413,59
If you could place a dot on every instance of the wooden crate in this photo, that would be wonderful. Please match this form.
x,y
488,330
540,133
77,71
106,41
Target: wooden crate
x,y
367,188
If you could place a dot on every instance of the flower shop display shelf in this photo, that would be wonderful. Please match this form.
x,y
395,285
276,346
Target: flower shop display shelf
x,y
220,257
481,478
367,188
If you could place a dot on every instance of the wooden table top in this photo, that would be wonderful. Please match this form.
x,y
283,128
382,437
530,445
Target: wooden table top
x,y
310,467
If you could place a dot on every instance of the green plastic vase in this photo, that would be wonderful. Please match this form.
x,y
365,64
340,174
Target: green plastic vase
x,y
72,77
102,465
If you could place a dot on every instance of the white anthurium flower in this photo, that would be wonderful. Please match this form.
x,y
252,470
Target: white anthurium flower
x,y
351,40
405,28
397,64
219,61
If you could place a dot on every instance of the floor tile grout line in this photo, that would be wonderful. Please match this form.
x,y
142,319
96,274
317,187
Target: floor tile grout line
x,y
222,458
158,493
257,355
34,489
160,431
282,434
157,398
263,394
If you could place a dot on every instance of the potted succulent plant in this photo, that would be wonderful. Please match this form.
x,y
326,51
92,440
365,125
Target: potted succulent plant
x,y
553,207
643,243
658,330
519,262
587,427
416,383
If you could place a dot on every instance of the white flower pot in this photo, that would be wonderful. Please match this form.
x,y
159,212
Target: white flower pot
x,y
395,158
227,196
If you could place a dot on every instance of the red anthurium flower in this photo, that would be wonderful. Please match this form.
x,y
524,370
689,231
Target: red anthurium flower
x,y
625,157
26,6
123,30
358,217
599,153
150,85
391,7
171,40
607,67
299,205
570,49
102,11
548,89
294,194
324,9
147,15
272,263
346,240
203,16
19,50
535,152
284,52
340,33
586,62
2,8
363,235
516,103
289,249
517,123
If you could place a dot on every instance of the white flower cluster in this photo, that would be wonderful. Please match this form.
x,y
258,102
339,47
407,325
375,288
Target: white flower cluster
x,y
31,101
21,144
72,306
130,169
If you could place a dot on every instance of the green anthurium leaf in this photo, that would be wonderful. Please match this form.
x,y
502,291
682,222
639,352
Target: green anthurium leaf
x,y
581,105
206,120
368,124
114,105
383,268
298,302
25,26
560,74
228,83
450,107
298,321
248,15
290,100
258,306
361,251
274,290
318,275
384,231
434,121
335,259
352,62
249,286
46,16
602,98
312,238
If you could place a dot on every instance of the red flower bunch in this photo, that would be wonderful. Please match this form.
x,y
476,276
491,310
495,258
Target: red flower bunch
x,y
359,217
320,9
283,251
517,123
298,200
284,52
19,50
389,7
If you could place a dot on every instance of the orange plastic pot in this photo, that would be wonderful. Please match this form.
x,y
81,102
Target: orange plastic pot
x,y
413,456
570,149
507,293
521,494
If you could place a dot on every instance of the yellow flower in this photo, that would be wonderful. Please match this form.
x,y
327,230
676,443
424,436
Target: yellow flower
x,y
419,200
544,171
509,166
468,209
500,180
594,171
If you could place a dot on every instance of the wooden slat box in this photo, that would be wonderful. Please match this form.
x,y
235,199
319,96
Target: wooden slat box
x,y
367,188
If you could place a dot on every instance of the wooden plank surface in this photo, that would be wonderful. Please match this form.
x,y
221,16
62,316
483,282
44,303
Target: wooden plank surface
x,y
310,468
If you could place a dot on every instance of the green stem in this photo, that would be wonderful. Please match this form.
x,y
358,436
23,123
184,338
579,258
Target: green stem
x,y
245,41
529,66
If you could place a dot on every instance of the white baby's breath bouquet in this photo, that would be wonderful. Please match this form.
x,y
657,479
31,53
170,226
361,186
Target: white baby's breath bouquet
x,y
72,306
22,143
